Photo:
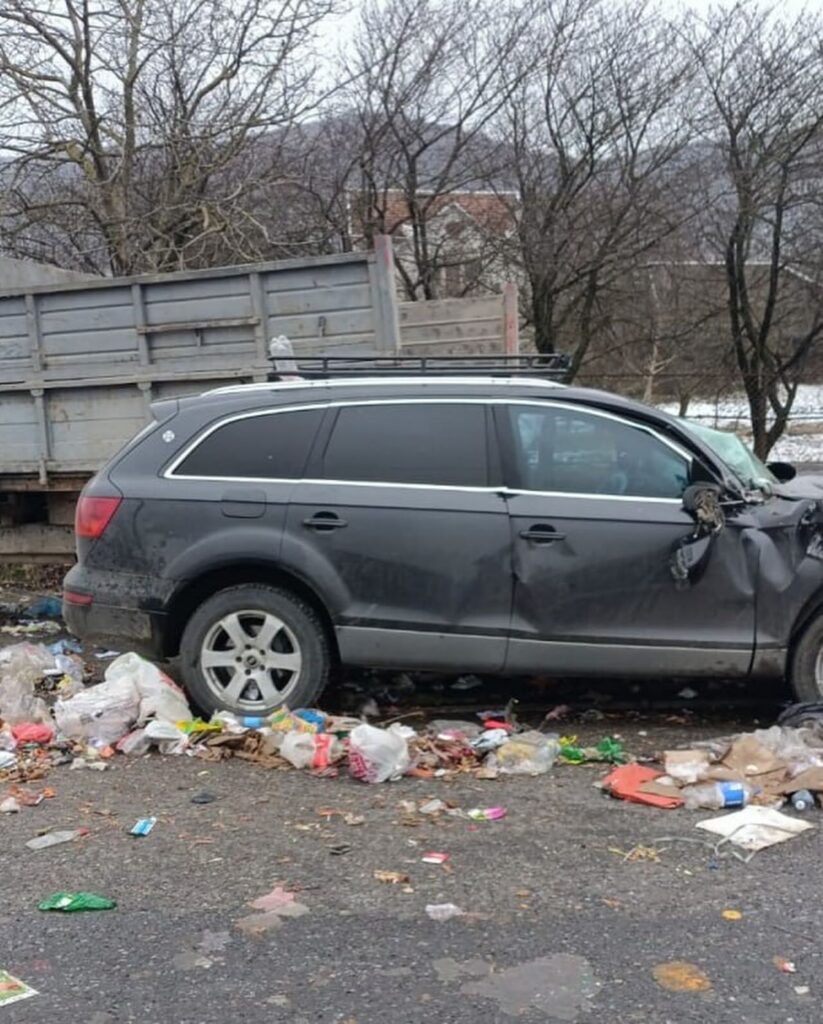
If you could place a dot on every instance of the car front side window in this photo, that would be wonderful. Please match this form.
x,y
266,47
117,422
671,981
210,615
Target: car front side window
x,y
572,451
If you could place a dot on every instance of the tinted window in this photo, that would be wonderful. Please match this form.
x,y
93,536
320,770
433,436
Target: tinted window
x,y
574,452
275,446
409,444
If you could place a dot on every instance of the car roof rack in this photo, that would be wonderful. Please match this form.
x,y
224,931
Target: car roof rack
x,y
551,366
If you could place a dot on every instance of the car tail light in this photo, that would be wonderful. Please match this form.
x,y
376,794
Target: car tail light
x,y
93,515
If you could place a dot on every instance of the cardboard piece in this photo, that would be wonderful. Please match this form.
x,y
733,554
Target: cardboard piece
x,y
686,766
751,759
658,787
811,779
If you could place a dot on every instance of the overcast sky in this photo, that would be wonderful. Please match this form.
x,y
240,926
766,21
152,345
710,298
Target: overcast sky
x,y
337,31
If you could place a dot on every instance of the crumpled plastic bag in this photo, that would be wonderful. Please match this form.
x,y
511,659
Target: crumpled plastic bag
x,y
33,732
310,750
100,714
21,668
159,696
166,736
529,753
379,755
132,691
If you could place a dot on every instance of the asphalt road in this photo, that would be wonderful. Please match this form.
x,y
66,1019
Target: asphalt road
x,y
556,926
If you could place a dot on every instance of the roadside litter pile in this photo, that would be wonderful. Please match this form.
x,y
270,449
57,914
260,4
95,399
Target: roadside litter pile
x,y
754,774
48,717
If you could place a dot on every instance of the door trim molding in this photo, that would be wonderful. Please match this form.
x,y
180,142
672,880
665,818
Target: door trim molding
x,y
563,657
418,649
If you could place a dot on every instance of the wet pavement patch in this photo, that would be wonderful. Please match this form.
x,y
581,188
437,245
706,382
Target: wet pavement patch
x,y
560,986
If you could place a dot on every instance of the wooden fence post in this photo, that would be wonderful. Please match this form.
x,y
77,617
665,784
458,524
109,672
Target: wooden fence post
x,y
388,339
511,323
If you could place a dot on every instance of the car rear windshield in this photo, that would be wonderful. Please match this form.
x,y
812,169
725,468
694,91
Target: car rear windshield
x,y
273,446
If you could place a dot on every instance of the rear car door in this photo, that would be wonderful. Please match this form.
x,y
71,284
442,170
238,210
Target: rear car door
x,y
402,527
596,512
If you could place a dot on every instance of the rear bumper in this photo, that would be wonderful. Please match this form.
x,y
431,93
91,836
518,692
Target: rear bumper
x,y
115,609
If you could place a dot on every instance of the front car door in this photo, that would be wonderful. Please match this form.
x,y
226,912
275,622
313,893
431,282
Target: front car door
x,y
595,504
402,526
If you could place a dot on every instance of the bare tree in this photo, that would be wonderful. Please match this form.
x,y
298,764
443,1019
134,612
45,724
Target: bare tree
x,y
141,131
594,140
426,80
762,93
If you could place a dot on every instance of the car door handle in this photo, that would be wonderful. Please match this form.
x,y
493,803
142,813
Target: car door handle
x,y
542,533
324,521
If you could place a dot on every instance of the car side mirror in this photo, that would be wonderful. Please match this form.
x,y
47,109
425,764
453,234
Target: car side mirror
x,y
784,471
690,554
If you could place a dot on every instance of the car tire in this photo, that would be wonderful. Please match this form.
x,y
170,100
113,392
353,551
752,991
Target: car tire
x,y
225,668
806,666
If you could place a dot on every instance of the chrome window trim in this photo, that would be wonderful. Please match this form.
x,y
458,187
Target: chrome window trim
x,y
170,474
603,414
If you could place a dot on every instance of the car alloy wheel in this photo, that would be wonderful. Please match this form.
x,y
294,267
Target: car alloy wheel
x,y
251,660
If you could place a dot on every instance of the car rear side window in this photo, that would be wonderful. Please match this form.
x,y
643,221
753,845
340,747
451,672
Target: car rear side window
x,y
273,446
569,451
414,443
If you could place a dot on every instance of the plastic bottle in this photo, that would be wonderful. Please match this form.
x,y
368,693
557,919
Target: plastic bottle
x,y
56,838
715,796
252,722
802,800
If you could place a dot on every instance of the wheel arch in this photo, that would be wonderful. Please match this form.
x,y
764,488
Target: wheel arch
x,y
195,591
807,614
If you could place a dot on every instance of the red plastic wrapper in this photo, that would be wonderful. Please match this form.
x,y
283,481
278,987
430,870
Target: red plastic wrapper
x,y
32,732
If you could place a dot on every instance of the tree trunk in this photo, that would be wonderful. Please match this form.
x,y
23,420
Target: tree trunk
x,y
542,317
651,373
758,411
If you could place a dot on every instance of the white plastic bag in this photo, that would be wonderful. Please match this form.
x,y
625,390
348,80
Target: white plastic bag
x,y
159,696
21,667
378,755
310,750
529,753
101,714
298,748
166,736
135,742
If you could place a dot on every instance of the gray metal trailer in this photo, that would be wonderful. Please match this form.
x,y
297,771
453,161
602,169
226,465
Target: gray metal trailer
x,y
81,362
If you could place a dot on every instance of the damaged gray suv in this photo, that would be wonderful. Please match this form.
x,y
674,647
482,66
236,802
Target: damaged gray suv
x,y
454,522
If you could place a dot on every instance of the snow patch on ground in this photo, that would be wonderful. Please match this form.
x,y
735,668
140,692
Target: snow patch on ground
x,y
801,443
733,410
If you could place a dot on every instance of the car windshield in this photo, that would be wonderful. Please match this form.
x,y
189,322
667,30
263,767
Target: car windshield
x,y
736,454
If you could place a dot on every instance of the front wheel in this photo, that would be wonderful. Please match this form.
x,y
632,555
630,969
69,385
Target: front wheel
x,y
806,668
251,648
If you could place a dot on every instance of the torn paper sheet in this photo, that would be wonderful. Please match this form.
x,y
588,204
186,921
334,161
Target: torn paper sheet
x,y
755,828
